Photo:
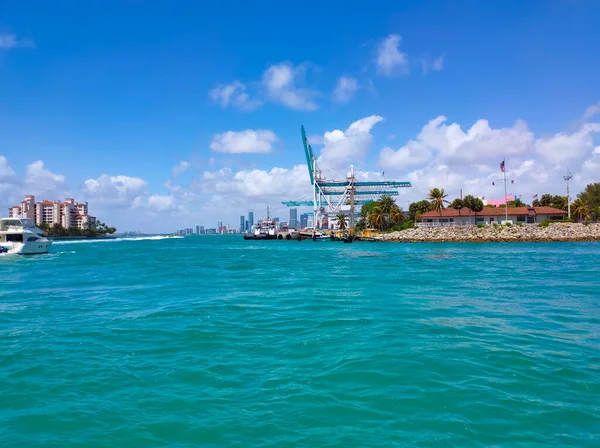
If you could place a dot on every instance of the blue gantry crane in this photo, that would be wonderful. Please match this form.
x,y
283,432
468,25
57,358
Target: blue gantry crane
x,y
332,196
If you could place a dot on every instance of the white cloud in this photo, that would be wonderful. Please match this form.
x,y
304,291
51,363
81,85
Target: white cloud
x,y
9,41
435,64
6,171
248,141
480,144
233,193
180,168
40,181
390,60
340,148
443,155
161,203
36,180
234,95
438,63
345,89
563,148
281,82
114,191
592,111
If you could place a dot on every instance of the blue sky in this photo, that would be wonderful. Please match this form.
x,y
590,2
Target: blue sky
x,y
112,97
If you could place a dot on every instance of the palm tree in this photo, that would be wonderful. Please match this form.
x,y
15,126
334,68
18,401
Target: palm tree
x,y
595,213
341,219
457,204
387,203
377,218
580,210
437,197
396,214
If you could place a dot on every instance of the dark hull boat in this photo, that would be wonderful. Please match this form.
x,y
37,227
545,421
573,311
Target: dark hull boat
x,y
260,237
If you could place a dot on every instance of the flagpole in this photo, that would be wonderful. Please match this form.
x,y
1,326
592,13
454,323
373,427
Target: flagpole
x,y
505,197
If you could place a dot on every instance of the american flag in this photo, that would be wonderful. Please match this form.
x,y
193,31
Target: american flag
x,y
502,166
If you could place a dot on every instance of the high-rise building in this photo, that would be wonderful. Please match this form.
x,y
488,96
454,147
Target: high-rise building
x,y
242,224
247,226
304,220
219,224
67,214
293,223
250,219
197,230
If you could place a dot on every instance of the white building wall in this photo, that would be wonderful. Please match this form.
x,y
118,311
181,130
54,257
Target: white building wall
x,y
14,212
472,220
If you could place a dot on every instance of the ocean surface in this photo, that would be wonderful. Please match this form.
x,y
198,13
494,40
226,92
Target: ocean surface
x,y
218,342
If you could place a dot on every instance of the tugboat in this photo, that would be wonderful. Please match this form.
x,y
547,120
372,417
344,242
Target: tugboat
x,y
266,230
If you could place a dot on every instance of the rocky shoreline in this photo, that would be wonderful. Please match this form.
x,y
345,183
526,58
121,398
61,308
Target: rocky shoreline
x,y
556,232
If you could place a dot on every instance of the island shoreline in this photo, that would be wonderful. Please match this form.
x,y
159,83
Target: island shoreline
x,y
553,233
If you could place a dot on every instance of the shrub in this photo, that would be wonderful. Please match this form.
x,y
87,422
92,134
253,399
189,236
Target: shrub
x,y
508,224
547,222
480,225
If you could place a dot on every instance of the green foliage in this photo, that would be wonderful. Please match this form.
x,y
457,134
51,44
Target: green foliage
x,y
481,225
591,196
472,203
58,230
416,209
457,204
517,203
547,222
382,214
437,198
341,219
548,200
507,224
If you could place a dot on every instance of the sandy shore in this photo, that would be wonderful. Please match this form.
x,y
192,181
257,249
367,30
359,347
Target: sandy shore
x,y
498,233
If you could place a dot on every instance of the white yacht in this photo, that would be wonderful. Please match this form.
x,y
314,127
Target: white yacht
x,y
21,236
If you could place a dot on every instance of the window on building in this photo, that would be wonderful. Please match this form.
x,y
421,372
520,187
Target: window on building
x,y
478,219
521,218
557,217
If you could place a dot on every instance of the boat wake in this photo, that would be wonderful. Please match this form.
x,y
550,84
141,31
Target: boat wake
x,y
115,240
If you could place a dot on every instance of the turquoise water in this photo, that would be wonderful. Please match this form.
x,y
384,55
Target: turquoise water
x,y
218,342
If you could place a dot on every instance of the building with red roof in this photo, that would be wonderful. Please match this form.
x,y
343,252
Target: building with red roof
x,y
490,215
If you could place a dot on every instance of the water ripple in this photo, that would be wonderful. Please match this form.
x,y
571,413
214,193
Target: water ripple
x,y
220,342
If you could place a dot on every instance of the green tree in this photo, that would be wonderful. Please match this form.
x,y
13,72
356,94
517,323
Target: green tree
x,y
517,203
580,210
474,204
559,202
591,195
437,197
377,218
546,200
595,212
386,203
457,204
341,219
418,208
396,214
